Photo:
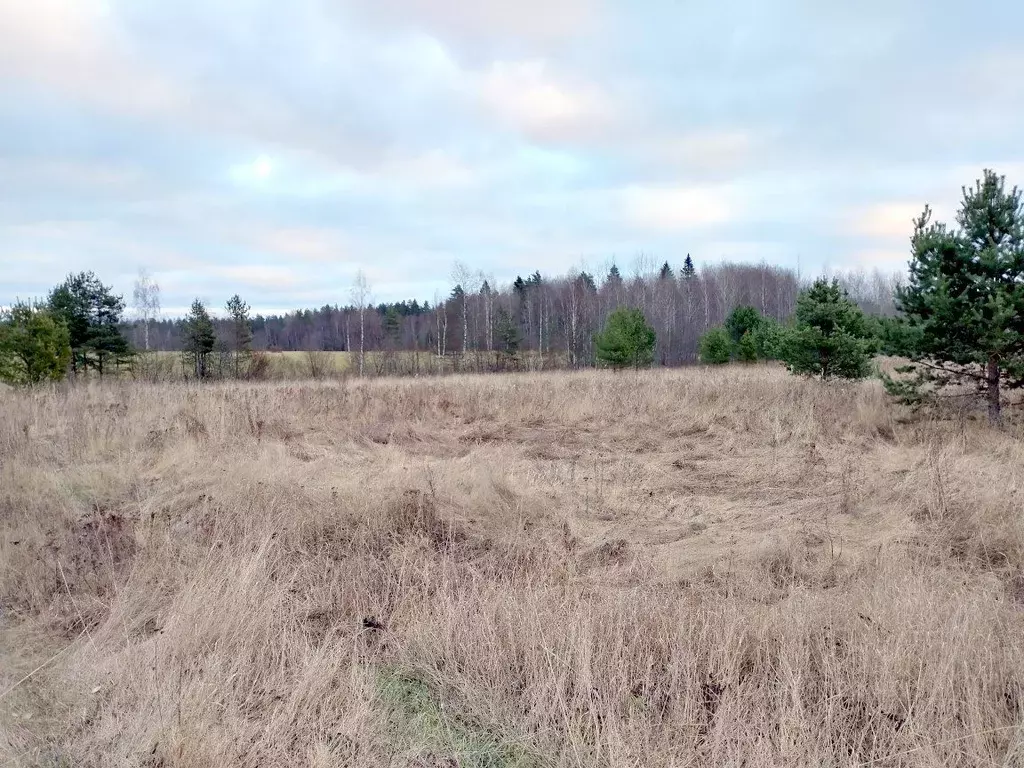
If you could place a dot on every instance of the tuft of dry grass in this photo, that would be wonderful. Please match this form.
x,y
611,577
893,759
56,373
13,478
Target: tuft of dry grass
x,y
670,568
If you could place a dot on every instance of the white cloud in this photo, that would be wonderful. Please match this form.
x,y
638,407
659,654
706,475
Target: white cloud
x,y
73,46
272,276
705,151
885,259
528,97
886,220
675,208
527,21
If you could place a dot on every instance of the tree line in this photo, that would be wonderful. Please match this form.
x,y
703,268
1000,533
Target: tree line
x,y
959,318
557,317
478,324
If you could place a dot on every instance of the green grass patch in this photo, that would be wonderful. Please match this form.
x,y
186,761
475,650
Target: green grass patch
x,y
424,724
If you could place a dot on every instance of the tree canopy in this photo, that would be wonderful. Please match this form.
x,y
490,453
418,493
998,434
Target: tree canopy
x,y
34,345
627,340
964,302
91,312
199,339
829,337
715,346
741,320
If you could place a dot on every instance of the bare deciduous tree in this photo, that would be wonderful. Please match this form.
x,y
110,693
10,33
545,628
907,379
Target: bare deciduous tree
x,y
360,298
146,303
468,280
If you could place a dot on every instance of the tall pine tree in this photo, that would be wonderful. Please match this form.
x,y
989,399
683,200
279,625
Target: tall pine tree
x,y
199,339
964,303
688,269
241,332
92,314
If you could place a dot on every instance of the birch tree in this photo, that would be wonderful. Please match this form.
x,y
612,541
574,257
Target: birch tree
x,y
360,294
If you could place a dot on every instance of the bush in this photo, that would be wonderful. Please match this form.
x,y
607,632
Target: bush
x,y
34,346
769,337
716,347
741,321
627,340
746,348
259,367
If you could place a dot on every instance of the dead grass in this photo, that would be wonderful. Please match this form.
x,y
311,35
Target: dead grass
x,y
676,568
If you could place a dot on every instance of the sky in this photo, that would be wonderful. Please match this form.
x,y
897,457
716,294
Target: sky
x,y
273,149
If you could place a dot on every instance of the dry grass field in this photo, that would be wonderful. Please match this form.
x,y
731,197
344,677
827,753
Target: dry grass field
x,y
674,568
168,367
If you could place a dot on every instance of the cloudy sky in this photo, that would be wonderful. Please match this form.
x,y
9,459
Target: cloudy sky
x,y
274,148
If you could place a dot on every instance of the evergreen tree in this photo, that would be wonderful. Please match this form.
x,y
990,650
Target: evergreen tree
x,y
614,278
688,269
92,313
666,272
393,326
588,282
34,345
830,337
627,339
742,320
519,290
768,338
198,339
715,346
746,348
241,331
964,304
507,333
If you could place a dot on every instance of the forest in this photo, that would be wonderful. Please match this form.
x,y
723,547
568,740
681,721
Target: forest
x,y
559,316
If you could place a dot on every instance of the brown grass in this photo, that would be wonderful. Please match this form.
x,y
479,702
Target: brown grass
x,y
676,568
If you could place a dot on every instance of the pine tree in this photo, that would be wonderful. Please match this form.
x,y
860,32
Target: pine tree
x,y
92,313
614,278
508,334
34,345
715,346
241,331
666,272
964,304
746,348
830,337
392,326
508,338
627,340
199,339
768,338
742,320
688,269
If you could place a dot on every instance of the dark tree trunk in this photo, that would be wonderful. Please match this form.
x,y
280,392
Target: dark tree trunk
x,y
992,382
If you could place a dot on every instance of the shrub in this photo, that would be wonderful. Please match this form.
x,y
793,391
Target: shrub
x,y
716,347
830,338
627,340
